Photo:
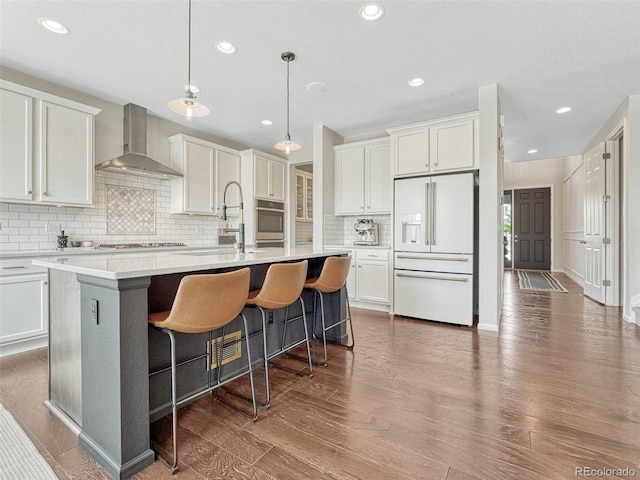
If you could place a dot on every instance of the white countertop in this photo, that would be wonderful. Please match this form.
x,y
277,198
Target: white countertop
x,y
136,264
350,247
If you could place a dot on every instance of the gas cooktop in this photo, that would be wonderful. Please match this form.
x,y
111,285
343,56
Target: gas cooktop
x,y
142,245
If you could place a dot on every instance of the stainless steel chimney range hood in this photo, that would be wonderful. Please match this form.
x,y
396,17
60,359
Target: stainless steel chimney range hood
x,y
134,160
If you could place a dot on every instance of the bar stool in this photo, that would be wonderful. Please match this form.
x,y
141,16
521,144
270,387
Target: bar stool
x,y
333,277
203,303
282,286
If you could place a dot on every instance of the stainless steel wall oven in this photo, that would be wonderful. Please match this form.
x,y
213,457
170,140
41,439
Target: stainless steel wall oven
x,y
269,223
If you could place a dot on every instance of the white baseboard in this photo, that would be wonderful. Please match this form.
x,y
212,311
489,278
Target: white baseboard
x,y
380,307
574,277
23,346
489,327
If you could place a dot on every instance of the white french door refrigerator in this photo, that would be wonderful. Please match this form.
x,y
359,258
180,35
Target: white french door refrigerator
x,y
433,247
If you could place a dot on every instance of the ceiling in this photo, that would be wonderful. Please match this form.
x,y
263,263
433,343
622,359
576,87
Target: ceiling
x,y
542,54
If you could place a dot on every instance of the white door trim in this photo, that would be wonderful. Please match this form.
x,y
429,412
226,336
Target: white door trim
x,y
613,294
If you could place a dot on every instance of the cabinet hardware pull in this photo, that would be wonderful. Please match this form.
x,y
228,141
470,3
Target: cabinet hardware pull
x,y
45,194
448,259
583,241
13,268
430,277
29,192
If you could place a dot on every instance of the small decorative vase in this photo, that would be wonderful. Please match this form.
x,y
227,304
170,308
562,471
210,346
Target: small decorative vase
x,y
62,240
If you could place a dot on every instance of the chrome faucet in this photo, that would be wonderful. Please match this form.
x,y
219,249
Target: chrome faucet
x,y
240,244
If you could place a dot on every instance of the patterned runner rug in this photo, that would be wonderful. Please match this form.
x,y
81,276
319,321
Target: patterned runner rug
x,y
539,280
19,458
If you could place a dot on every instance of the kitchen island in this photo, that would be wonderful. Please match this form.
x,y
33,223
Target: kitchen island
x,y
108,377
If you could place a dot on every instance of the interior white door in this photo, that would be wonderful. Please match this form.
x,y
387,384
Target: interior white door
x,y
594,223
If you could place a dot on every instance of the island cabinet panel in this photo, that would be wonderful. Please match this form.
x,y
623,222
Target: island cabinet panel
x,y
122,382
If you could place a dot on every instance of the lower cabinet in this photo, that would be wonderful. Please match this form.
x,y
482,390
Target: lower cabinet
x,y
24,307
368,279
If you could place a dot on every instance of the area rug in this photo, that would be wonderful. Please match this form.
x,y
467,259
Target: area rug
x,y
19,458
540,281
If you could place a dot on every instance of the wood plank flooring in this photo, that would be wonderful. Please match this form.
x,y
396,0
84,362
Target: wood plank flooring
x,y
557,389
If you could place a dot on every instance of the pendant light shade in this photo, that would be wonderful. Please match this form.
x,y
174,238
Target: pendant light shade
x,y
188,106
287,145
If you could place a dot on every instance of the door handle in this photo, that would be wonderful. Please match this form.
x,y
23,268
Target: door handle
x,y
432,277
427,216
433,212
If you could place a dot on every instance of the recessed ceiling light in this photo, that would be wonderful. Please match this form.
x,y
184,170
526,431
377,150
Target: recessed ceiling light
x,y
191,88
226,47
533,150
416,82
267,122
563,110
371,11
54,26
317,87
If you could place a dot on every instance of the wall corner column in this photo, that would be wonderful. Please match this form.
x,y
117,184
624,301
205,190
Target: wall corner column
x,y
491,260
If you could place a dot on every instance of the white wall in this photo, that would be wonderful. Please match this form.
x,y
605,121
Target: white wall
x,y
573,218
542,173
323,178
490,248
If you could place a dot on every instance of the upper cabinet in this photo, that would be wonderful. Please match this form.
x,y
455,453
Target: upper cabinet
x,y
304,195
207,169
269,177
444,145
363,177
47,148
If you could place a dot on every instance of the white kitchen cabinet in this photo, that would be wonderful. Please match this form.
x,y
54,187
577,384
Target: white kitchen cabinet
x,y
368,279
304,196
47,153
16,148
207,168
363,178
24,324
444,145
269,178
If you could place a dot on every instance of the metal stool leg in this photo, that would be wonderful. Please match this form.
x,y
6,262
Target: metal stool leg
x,y
172,467
253,388
324,329
306,337
266,358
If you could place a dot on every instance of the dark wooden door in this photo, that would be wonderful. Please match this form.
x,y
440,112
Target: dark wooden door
x,y
532,229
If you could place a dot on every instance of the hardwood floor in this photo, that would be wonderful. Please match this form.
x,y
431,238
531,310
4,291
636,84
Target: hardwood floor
x,y
557,389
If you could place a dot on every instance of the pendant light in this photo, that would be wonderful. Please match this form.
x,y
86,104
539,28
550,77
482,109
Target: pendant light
x,y
188,106
288,145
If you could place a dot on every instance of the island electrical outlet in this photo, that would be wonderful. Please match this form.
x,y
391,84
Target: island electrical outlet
x,y
94,311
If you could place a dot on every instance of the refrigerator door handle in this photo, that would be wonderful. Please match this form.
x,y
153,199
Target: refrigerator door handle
x,y
432,214
427,204
432,277
447,259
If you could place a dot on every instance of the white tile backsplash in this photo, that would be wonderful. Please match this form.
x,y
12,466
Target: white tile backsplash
x,y
338,230
24,227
